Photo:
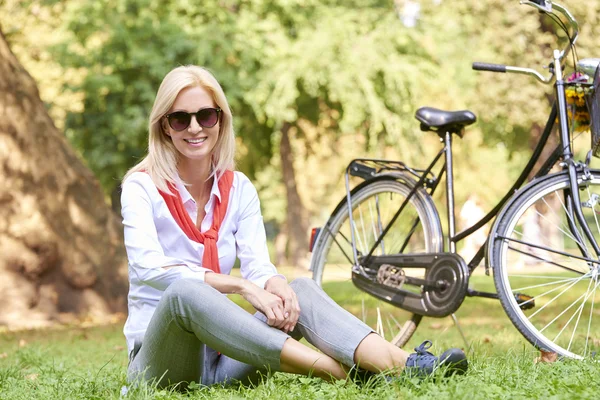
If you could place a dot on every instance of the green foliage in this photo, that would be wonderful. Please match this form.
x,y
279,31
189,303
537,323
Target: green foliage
x,y
125,48
356,67
279,61
347,75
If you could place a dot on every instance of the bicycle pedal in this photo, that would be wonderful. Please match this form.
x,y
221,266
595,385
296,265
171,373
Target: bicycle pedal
x,y
524,301
390,275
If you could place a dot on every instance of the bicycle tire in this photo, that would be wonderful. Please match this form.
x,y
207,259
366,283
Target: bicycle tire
x,y
429,229
533,250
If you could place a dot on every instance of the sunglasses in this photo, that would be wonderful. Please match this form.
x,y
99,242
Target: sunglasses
x,y
206,117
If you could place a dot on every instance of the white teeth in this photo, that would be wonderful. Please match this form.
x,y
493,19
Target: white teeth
x,y
194,141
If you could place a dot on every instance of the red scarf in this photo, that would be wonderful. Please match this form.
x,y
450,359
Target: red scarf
x,y
210,259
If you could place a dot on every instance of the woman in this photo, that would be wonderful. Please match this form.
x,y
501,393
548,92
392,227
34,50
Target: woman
x,y
187,217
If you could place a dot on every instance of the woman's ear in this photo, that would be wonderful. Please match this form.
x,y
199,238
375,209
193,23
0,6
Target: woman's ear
x,y
165,127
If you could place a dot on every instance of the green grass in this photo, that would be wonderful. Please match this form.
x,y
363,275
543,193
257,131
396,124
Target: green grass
x,y
90,363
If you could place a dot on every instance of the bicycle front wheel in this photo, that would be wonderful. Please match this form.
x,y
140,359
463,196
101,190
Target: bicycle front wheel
x,y
416,230
546,283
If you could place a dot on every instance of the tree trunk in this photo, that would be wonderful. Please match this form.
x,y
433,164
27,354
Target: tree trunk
x,y
61,247
280,245
296,223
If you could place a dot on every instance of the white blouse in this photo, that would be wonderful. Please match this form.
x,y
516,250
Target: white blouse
x,y
153,240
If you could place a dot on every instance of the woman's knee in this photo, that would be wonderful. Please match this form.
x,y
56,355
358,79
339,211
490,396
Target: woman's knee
x,y
305,288
188,288
303,284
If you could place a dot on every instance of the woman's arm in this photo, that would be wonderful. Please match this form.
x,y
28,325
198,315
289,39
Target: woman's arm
x,y
265,302
250,236
251,242
148,263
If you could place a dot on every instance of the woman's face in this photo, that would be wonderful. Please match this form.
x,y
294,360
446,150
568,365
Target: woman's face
x,y
194,142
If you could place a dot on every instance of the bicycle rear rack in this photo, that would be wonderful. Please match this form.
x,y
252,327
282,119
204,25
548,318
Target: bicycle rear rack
x,y
369,168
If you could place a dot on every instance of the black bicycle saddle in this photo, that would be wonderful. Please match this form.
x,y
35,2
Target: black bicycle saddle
x,y
436,120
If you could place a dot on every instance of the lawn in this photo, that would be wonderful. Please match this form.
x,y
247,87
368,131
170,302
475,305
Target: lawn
x,y
90,363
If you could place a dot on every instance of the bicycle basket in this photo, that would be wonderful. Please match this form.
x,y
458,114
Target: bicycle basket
x,y
593,103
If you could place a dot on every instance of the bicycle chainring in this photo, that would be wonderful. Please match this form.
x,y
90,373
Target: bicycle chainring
x,y
452,272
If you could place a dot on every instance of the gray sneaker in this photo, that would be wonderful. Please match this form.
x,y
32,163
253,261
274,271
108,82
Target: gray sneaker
x,y
423,363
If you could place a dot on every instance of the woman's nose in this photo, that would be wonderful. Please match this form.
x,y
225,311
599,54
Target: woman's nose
x,y
194,125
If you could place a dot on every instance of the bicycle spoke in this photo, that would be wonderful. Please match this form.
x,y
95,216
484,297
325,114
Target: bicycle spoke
x,y
555,297
379,223
579,316
570,218
543,284
545,293
560,228
333,237
561,314
549,250
543,259
543,236
533,276
364,232
373,227
359,242
526,240
587,336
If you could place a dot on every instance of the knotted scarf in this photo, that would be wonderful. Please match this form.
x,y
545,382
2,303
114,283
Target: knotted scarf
x,y
210,259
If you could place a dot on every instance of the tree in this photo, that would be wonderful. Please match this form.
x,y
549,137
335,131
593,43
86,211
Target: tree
x,y
268,57
61,247
333,79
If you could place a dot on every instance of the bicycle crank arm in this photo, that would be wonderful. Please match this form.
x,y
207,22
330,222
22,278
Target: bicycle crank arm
x,y
439,294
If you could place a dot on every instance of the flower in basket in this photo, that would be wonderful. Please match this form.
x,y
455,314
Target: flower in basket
x,y
576,93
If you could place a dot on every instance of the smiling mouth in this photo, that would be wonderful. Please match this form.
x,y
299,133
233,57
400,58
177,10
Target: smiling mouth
x,y
195,141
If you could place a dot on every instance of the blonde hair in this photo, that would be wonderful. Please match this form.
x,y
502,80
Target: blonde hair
x,y
161,161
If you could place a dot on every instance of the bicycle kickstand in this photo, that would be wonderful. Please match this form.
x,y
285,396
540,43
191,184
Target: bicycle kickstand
x,y
462,334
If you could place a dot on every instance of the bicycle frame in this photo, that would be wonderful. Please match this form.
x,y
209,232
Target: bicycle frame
x,y
563,151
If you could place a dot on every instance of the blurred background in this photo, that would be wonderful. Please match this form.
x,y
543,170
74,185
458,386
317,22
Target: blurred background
x,y
312,85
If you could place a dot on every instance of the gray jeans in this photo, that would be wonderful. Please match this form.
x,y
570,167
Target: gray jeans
x,y
198,334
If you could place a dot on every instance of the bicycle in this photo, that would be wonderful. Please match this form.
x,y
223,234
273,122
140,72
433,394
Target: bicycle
x,y
543,246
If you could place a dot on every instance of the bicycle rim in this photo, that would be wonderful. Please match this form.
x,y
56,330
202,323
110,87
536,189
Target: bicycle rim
x,y
374,205
539,265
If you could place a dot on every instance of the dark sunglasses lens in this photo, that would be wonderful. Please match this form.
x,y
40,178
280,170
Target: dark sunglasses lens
x,y
208,117
179,120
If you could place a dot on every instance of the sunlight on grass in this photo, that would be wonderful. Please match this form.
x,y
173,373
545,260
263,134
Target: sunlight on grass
x,y
79,362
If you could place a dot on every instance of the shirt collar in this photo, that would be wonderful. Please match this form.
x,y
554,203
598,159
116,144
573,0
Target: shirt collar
x,y
186,196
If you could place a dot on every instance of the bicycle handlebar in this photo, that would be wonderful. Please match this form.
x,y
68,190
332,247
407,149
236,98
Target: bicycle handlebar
x,y
480,66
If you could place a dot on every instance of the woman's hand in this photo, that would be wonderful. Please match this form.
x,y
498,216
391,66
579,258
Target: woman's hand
x,y
277,301
279,287
267,303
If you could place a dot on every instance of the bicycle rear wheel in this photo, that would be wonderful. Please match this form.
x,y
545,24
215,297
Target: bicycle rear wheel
x,y
416,230
548,288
